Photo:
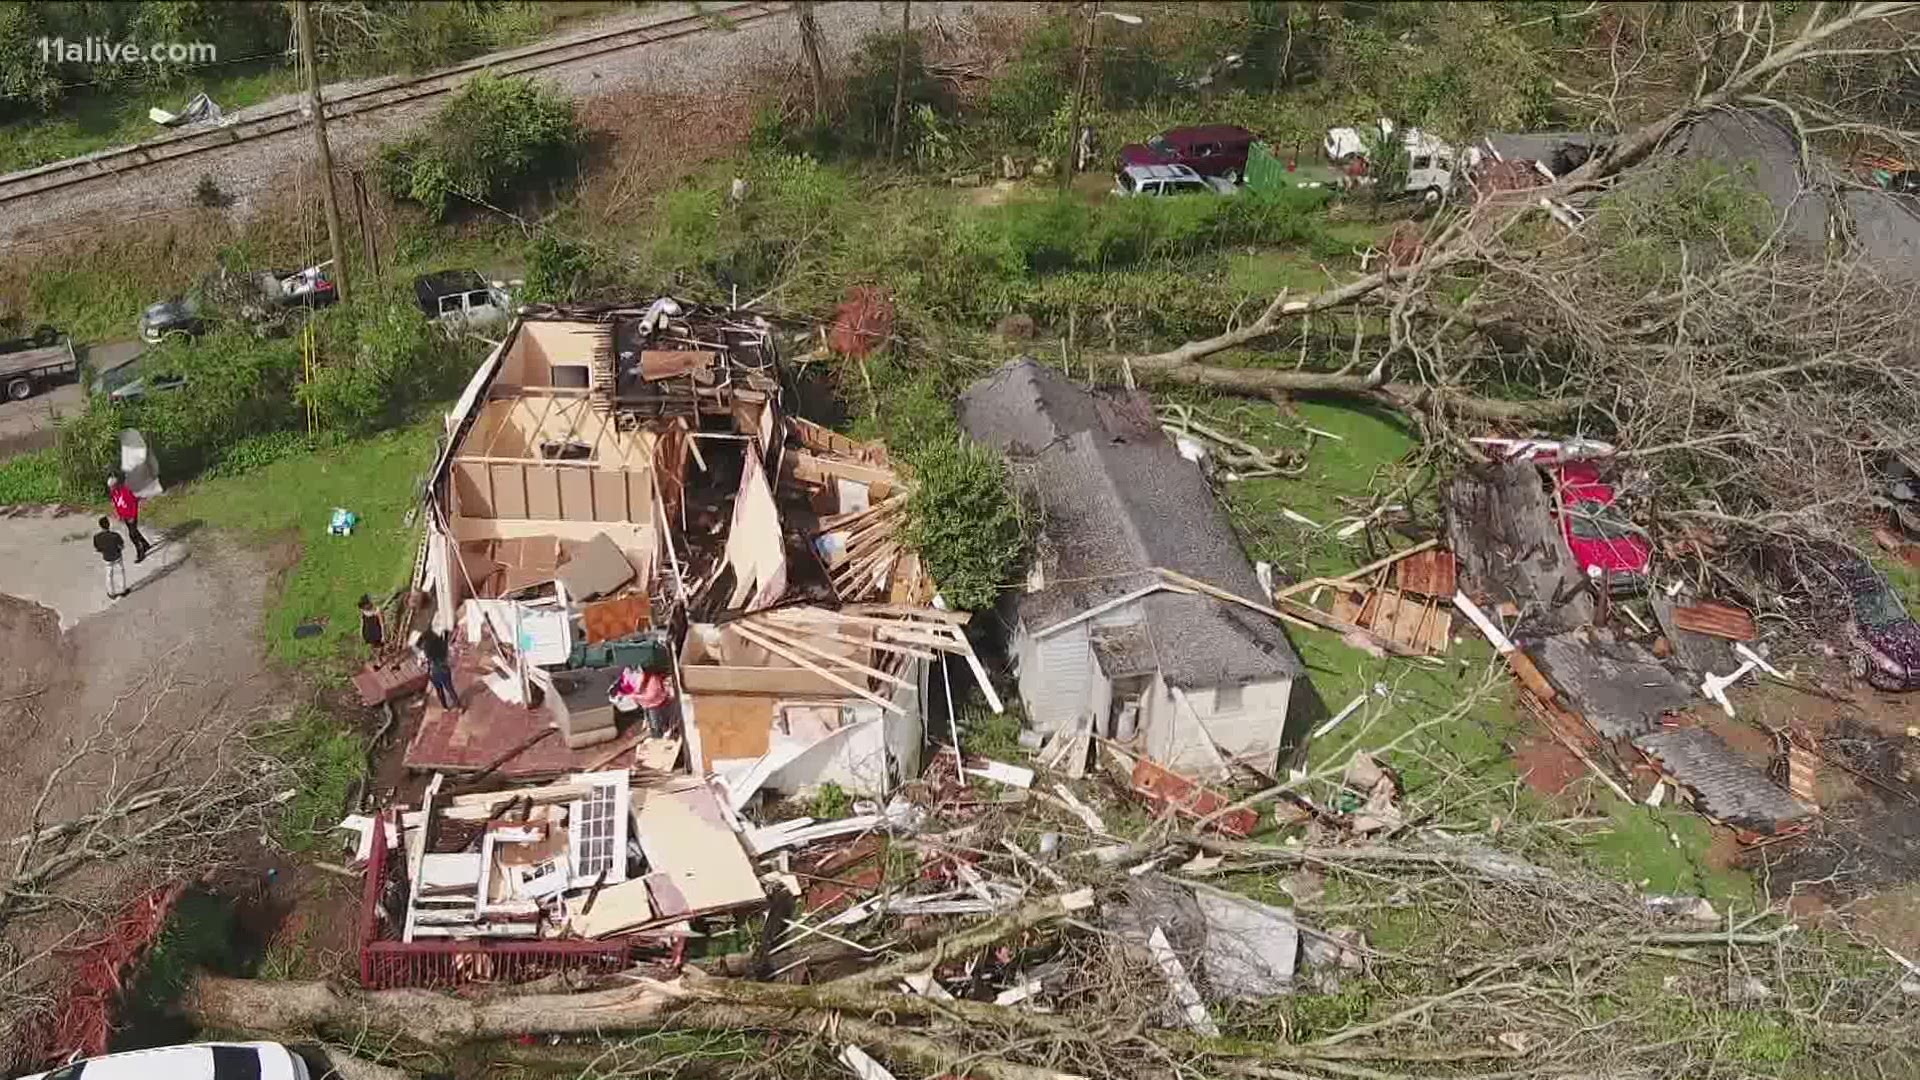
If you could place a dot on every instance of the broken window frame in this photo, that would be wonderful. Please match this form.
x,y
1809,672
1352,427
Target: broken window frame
x,y
608,789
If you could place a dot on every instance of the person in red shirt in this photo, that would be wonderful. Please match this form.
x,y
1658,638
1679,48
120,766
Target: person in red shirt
x,y
126,507
656,697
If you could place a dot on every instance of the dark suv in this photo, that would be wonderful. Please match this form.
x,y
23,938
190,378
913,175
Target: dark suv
x,y
1210,150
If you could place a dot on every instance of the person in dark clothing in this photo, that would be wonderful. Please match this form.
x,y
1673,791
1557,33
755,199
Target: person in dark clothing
x,y
110,546
373,625
126,505
433,646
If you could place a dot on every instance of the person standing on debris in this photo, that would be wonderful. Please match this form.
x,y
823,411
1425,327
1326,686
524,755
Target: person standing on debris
x,y
110,546
433,646
126,506
656,697
373,625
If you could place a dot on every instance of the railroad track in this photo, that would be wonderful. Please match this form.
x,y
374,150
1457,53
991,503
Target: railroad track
x,y
122,161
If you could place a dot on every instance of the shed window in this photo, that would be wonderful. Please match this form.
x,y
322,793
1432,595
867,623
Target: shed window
x,y
1229,698
572,376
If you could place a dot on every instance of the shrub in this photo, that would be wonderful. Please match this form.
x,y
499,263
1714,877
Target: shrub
x,y
558,270
964,521
378,360
1021,101
87,446
867,97
258,451
30,478
494,140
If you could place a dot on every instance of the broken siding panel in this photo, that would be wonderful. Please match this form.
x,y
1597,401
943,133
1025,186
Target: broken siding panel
x,y
1062,679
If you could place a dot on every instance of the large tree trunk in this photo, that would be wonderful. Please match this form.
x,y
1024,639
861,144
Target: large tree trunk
x,y
423,1018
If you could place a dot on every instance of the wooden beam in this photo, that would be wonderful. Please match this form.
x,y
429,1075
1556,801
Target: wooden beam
x,y
785,638
828,524
1101,609
869,643
954,618
819,614
1376,564
1313,618
789,655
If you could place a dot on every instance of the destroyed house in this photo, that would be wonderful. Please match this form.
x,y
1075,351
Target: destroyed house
x,y
1101,639
620,489
620,494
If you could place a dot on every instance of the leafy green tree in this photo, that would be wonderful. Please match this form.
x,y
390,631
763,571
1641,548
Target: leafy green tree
x,y
494,141
964,521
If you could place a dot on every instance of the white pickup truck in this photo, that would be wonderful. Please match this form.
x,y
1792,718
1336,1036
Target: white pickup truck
x,y
1431,163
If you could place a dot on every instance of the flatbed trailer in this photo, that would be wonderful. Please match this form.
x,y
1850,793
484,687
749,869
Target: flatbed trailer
x,y
25,372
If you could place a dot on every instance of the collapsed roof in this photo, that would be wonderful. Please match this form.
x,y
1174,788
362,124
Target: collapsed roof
x,y
1116,499
1815,203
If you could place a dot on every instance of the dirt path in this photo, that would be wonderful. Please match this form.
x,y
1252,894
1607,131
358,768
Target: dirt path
x,y
178,659
193,617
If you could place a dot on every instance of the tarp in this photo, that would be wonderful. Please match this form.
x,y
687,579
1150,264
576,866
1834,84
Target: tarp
x,y
201,109
139,466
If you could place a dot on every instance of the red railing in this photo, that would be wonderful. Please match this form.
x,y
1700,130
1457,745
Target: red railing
x,y
387,962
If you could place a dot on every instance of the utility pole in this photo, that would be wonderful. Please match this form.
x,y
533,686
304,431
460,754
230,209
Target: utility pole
x,y
303,25
810,47
1072,164
900,75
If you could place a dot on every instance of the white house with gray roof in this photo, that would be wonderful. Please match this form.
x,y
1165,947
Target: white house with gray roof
x,y
1100,638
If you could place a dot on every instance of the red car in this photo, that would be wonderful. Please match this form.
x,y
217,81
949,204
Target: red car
x,y
1599,538
1210,150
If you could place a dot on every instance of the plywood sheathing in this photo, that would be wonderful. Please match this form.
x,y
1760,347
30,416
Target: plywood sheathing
x,y
540,344
1427,573
1424,625
756,545
697,863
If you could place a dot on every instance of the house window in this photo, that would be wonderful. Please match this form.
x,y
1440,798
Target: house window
x,y
1228,698
571,376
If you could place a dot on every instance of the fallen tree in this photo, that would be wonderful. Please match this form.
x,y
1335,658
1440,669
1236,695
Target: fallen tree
x,y
1662,304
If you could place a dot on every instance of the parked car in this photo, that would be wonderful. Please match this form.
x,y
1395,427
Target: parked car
x,y
178,316
1599,538
462,299
131,381
196,1061
1167,180
1210,150
311,287
1883,639
261,298
27,364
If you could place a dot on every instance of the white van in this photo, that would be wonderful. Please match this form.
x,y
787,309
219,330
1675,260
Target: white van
x,y
197,1061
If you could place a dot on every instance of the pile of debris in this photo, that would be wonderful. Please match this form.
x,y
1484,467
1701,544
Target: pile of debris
x,y
1615,663
623,499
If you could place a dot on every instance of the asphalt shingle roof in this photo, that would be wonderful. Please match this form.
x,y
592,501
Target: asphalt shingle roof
x,y
1115,499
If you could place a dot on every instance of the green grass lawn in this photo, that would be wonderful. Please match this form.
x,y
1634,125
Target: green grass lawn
x,y
1463,769
28,478
90,122
291,501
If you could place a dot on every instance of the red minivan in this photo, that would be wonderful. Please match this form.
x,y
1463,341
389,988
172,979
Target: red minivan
x,y
1209,149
